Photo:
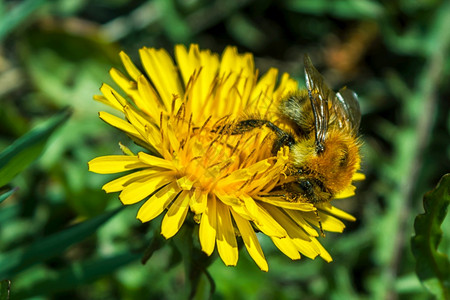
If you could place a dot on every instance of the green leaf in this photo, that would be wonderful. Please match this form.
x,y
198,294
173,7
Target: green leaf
x,y
27,148
5,288
433,267
20,13
351,9
173,23
78,274
6,195
17,260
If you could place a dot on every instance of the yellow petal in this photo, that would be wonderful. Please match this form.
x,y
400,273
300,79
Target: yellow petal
x,y
117,101
307,248
275,201
229,61
251,241
205,78
226,238
263,91
287,85
229,200
163,73
241,175
185,183
237,176
358,176
104,100
146,129
267,224
290,226
266,83
187,62
108,97
118,184
297,218
199,201
141,188
259,167
347,192
115,163
171,134
250,205
148,100
119,124
250,210
323,253
208,227
176,215
129,66
154,206
243,212
124,83
155,161
287,247
330,223
337,212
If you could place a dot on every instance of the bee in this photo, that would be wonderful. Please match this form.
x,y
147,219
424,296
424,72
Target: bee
x,y
323,138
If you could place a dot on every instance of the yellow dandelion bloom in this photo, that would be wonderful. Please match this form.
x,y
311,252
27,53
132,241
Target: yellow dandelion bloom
x,y
191,166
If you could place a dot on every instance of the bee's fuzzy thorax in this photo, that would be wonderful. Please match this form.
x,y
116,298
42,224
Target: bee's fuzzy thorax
x,y
301,152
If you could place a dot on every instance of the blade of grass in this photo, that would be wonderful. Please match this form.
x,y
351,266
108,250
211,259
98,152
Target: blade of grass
x,y
17,260
20,13
28,148
78,274
7,194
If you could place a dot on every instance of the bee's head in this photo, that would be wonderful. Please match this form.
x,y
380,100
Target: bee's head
x,y
313,189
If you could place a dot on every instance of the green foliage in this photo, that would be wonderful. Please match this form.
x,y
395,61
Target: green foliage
x,y
432,266
77,274
351,9
5,288
8,21
6,195
57,53
27,149
17,260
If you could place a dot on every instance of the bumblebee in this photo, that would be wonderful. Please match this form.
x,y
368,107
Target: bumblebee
x,y
320,127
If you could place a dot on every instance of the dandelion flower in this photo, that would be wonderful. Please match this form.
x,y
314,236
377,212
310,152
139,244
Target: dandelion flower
x,y
190,166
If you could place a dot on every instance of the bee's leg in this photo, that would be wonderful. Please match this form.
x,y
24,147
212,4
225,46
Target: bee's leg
x,y
273,195
320,223
248,125
283,138
308,191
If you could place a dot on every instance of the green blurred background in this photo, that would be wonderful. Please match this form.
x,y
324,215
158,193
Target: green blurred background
x,y
54,54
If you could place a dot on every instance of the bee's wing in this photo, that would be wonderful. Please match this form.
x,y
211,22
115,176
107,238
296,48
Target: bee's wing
x,y
320,95
347,109
344,105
